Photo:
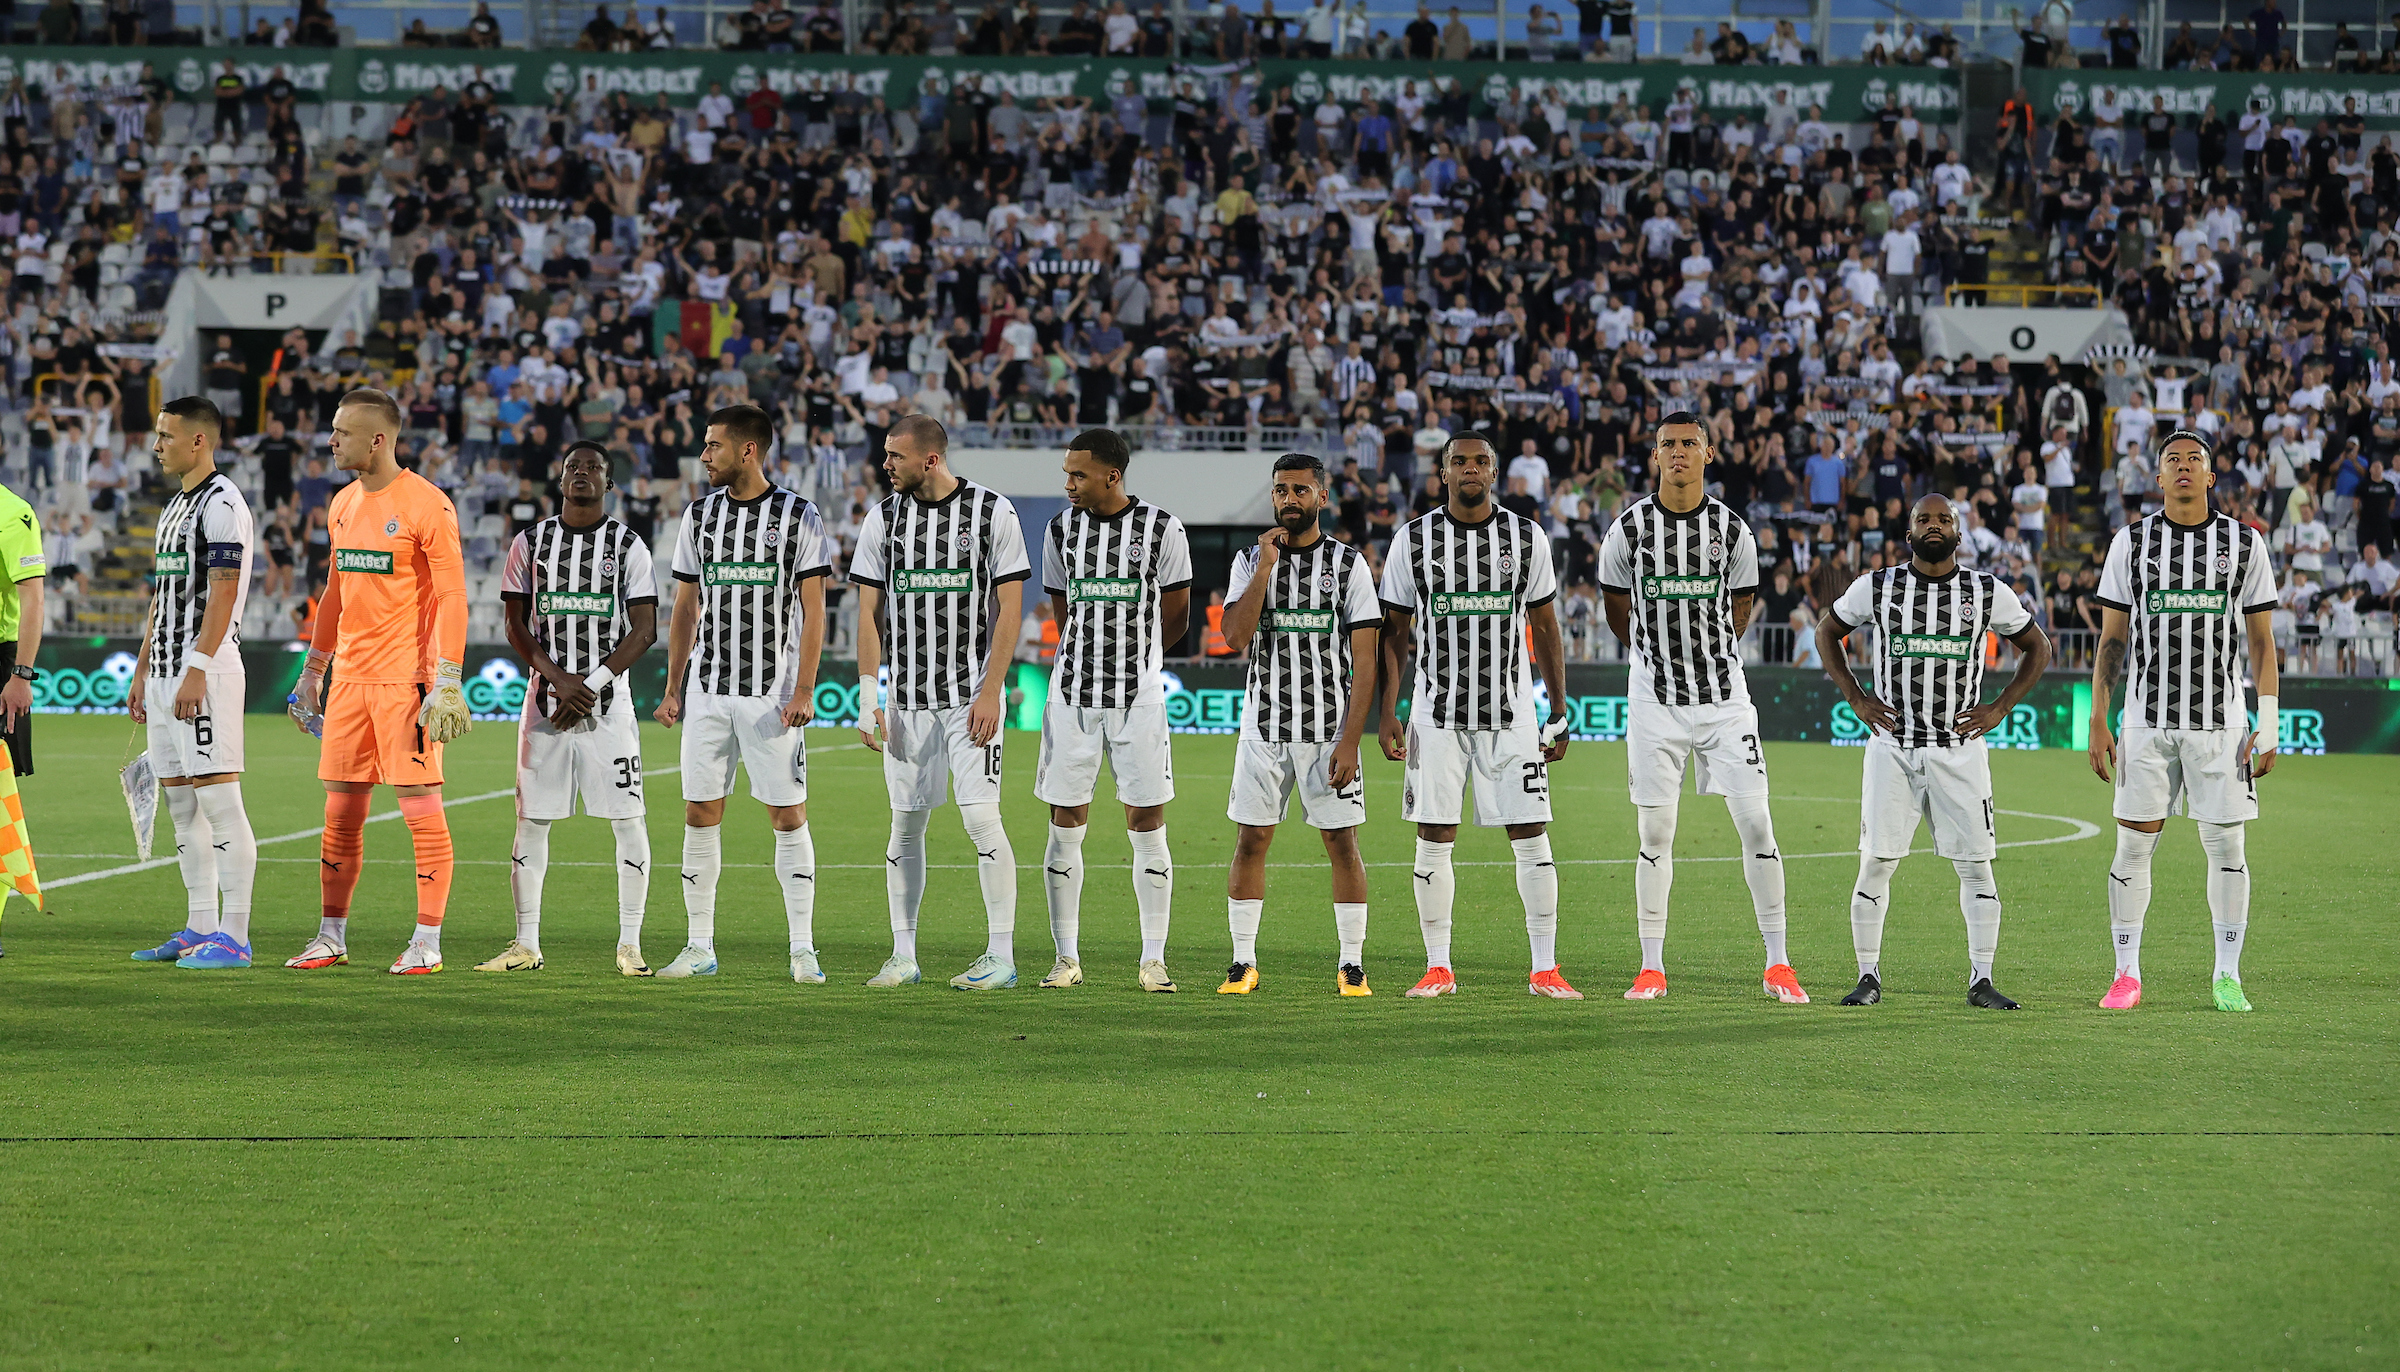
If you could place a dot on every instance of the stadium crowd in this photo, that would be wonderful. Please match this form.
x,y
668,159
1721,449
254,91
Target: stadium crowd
x,y
1227,270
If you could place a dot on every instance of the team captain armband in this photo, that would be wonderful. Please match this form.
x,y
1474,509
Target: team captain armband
x,y
226,555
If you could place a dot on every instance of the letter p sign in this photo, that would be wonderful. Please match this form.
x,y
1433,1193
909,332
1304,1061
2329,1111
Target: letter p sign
x,y
275,303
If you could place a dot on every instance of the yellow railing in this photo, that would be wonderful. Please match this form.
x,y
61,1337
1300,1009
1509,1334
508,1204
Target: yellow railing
x,y
2023,294
157,397
321,255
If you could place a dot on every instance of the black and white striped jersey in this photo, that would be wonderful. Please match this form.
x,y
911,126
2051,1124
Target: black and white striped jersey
x,y
205,527
1682,572
576,584
938,563
1469,586
2186,588
1112,569
749,558
1929,643
1299,683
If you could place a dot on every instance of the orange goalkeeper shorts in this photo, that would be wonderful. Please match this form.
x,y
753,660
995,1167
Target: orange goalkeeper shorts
x,y
372,735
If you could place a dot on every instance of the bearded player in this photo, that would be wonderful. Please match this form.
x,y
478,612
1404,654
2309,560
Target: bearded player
x,y
1926,754
582,606
393,620
1678,579
1309,604
2182,592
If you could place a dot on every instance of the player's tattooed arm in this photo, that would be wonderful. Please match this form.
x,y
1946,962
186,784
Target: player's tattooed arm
x,y
1744,602
1832,630
2108,668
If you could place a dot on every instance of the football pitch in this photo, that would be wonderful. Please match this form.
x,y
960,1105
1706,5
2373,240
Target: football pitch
x,y
347,1169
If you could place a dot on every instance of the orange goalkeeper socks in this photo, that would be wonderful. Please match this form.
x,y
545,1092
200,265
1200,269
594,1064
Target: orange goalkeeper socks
x,y
340,850
431,834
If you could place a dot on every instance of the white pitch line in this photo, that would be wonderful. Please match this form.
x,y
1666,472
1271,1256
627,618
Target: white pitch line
x,y
2083,829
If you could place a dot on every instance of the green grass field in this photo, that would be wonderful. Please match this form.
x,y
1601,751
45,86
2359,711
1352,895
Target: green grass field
x,y
346,1169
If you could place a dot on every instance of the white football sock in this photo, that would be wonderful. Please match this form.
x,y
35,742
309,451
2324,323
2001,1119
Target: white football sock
x,y
1153,888
1537,887
796,869
336,928
528,864
1653,879
1762,868
1242,917
904,878
1062,884
703,858
1350,930
196,856
2228,893
1979,902
236,849
633,877
996,873
1436,886
1870,901
429,938
2129,896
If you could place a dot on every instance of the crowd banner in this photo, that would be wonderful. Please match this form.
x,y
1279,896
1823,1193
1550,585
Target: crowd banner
x,y
1846,94
2022,335
1795,705
2305,96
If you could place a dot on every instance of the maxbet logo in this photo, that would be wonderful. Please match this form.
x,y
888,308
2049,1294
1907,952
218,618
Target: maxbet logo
x,y
576,603
740,573
374,561
923,580
1956,647
1679,587
1473,602
2172,601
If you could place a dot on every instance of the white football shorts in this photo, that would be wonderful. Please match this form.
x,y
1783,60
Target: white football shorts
x,y
1265,775
1950,788
599,760
1512,783
721,731
1720,742
202,746
2195,772
927,756
1135,740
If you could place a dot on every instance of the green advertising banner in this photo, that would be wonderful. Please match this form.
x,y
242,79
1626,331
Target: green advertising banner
x,y
2305,96
531,78
89,676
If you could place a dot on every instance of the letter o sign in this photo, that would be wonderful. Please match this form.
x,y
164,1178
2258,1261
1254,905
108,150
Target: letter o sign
x,y
2021,338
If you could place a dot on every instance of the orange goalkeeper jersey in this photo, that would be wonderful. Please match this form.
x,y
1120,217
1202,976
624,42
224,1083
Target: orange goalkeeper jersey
x,y
400,580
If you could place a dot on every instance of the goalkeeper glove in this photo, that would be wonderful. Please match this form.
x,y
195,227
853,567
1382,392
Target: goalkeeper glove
x,y
443,717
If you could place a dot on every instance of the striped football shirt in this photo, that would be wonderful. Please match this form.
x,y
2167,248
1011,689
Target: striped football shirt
x,y
1681,572
1298,687
749,558
2186,588
1468,587
938,563
1113,569
1929,643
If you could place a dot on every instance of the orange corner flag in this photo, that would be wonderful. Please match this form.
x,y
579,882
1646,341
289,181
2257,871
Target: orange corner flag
x,y
16,846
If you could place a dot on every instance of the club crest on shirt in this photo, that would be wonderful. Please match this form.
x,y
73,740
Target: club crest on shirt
x,y
391,526
1716,551
1134,550
774,536
608,567
2224,563
1325,582
1507,564
965,540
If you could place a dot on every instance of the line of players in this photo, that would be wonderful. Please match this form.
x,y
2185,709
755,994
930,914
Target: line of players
x,y
1464,610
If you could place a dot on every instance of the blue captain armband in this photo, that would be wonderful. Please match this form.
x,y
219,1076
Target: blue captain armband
x,y
227,555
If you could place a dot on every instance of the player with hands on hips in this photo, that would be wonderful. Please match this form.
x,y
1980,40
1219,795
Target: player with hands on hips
x,y
1926,753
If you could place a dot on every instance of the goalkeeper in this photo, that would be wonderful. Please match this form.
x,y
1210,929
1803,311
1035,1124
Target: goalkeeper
x,y
394,619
